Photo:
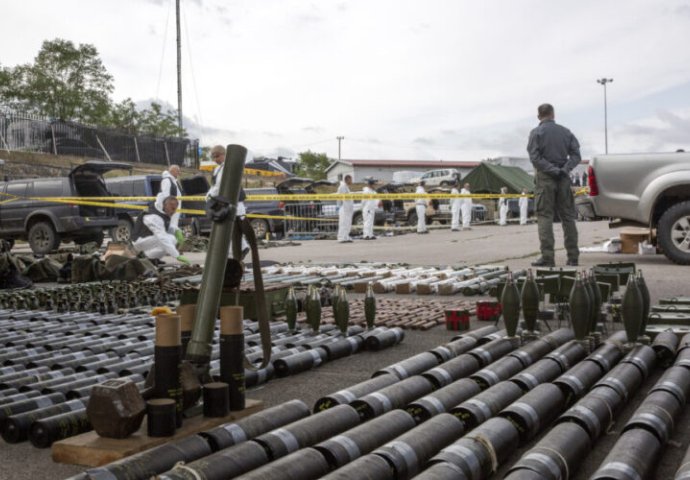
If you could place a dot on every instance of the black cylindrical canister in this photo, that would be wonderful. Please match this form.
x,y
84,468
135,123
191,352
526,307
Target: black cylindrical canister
x,y
343,347
606,356
567,355
167,359
545,370
488,403
657,413
304,464
232,354
594,413
409,453
253,378
395,396
308,431
249,427
443,354
368,467
578,380
559,337
35,403
228,463
352,444
477,333
535,410
443,471
44,432
216,399
675,380
384,339
643,357
491,337
300,362
555,457
16,396
15,428
625,378
633,456
161,417
461,345
410,366
533,351
500,370
442,400
452,370
494,350
354,392
156,460
665,345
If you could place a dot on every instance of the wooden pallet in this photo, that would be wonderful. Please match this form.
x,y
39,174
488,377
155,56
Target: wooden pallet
x,y
90,449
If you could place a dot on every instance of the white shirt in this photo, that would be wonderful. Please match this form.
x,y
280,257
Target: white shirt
x,y
369,204
455,203
467,202
157,227
343,188
420,201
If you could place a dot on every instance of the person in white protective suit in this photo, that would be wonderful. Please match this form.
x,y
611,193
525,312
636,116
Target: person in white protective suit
x,y
455,206
523,203
170,187
369,211
218,156
153,234
345,210
420,208
503,208
466,207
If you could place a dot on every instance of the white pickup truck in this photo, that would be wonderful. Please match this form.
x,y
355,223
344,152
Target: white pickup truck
x,y
650,189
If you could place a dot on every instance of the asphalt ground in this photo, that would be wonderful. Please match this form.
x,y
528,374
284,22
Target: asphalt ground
x,y
513,245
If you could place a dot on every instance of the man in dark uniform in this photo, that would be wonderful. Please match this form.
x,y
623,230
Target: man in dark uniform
x,y
554,151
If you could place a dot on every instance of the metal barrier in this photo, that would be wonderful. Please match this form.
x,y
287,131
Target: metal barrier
x,y
310,220
27,132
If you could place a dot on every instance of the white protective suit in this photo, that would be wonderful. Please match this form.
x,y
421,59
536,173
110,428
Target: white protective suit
x,y
166,191
420,207
502,211
523,203
161,242
368,213
466,208
241,208
345,210
455,204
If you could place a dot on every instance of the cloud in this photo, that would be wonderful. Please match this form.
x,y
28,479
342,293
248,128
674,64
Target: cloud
x,y
666,131
313,129
424,141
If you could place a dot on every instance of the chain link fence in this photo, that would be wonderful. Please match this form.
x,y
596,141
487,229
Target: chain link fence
x,y
27,132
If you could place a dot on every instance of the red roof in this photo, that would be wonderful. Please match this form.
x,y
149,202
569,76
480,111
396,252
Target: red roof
x,y
412,163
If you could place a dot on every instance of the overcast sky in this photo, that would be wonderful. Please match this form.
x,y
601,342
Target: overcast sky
x,y
399,79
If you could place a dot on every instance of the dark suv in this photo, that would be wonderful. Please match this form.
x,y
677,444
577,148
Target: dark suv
x,y
44,224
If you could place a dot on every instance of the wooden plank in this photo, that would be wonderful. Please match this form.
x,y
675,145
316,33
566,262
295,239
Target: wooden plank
x,y
90,449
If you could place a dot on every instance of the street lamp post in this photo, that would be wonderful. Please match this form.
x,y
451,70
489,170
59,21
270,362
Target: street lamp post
x,y
604,81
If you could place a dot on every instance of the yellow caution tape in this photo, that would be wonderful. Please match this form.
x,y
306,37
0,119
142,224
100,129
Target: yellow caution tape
x,y
209,167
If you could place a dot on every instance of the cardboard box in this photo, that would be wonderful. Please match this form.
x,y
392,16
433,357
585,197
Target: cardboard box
x,y
631,238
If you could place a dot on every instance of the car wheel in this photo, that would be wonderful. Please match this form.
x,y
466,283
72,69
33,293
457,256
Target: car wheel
x,y
358,220
674,233
123,232
445,184
43,238
260,227
412,219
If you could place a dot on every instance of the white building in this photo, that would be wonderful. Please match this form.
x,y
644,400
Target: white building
x,y
382,170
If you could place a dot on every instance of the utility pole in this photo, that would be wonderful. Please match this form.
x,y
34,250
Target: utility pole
x,y
604,81
179,66
340,139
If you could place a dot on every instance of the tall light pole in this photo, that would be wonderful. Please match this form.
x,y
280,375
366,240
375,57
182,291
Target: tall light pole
x,y
604,81
340,139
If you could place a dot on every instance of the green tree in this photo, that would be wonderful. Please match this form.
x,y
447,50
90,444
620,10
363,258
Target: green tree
x,y
154,121
312,165
65,81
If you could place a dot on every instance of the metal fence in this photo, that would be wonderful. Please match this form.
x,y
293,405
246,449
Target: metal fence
x,y
27,132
